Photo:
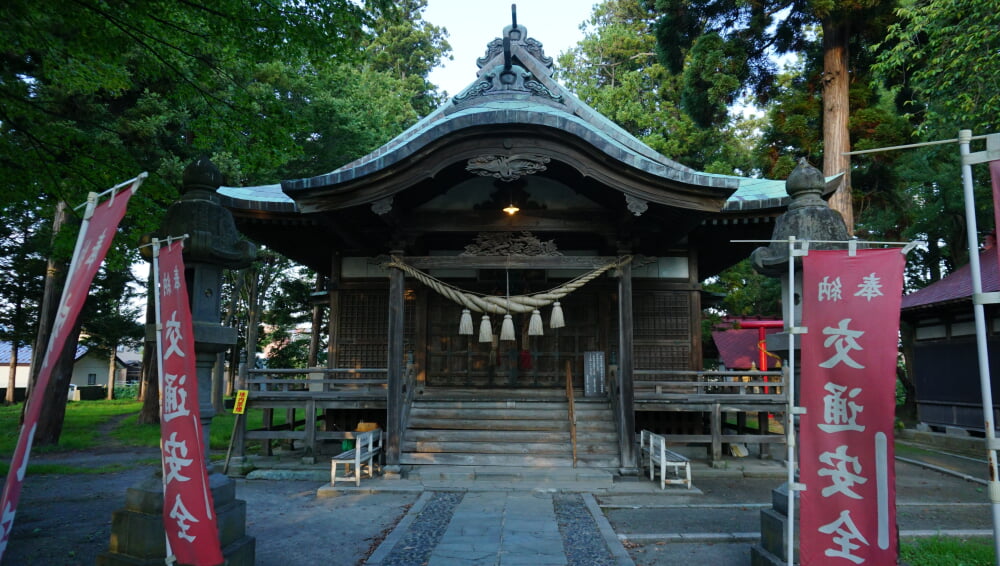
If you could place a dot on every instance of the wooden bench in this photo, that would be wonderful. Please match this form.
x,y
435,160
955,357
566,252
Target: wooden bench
x,y
367,446
654,447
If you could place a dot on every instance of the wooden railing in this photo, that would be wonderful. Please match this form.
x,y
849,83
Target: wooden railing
x,y
716,393
723,386
313,381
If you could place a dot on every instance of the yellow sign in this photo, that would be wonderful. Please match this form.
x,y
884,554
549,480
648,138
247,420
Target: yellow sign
x,y
241,402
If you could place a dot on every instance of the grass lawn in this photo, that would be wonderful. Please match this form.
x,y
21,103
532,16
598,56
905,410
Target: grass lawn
x,y
947,551
85,421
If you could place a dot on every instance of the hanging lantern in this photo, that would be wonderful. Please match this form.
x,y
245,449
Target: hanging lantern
x,y
557,316
507,329
535,324
465,325
485,329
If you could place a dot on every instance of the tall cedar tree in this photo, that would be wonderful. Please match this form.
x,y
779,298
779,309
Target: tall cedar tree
x,y
725,48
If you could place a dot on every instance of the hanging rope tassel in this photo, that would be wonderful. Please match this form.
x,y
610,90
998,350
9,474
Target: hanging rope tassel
x,y
465,325
507,329
535,324
557,320
485,330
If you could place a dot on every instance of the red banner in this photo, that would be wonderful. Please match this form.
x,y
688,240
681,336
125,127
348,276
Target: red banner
x,y
92,245
851,310
188,509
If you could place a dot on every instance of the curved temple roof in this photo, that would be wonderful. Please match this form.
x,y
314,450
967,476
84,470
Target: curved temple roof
x,y
512,129
515,92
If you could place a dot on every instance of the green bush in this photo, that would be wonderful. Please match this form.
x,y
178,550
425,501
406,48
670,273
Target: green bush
x,y
127,392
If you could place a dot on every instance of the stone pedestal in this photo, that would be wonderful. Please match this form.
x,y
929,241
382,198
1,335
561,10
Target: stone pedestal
x,y
137,535
773,547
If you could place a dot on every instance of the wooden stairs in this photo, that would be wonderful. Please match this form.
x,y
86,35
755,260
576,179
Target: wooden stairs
x,y
528,428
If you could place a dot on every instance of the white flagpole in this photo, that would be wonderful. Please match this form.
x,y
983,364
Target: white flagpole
x,y
159,375
792,409
964,140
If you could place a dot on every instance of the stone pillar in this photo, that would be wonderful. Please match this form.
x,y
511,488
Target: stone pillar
x,y
213,244
808,218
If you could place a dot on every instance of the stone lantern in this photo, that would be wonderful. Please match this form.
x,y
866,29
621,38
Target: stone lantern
x,y
213,244
808,218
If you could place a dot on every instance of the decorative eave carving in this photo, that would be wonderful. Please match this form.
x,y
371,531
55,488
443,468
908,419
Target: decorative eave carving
x,y
507,168
636,206
501,80
523,244
382,206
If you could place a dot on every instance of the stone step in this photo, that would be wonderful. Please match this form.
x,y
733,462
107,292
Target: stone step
x,y
563,447
457,475
500,425
491,413
469,430
428,458
517,436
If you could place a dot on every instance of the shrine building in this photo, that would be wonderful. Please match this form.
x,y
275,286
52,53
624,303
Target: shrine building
x,y
514,204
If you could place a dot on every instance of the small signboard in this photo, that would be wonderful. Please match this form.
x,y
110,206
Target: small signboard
x,y
241,402
593,374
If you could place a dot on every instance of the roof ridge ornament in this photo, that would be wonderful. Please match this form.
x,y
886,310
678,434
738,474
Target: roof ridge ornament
x,y
514,34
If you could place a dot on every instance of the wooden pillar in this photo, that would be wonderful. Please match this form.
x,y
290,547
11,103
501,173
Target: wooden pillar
x,y
626,400
317,321
716,425
395,365
420,340
333,325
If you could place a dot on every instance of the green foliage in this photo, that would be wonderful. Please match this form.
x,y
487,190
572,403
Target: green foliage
x,y
23,246
613,69
127,392
947,53
746,293
93,95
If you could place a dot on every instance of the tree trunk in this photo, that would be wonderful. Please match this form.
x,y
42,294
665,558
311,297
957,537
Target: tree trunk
x,y
53,411
150,411
112,370
836,112
149,384
54,275
12,368
253,316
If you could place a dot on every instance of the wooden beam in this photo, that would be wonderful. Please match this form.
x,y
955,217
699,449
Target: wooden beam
x,y
587,221
513,262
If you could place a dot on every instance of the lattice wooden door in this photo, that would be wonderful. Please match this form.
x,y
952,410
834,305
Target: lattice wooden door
x,y
529,361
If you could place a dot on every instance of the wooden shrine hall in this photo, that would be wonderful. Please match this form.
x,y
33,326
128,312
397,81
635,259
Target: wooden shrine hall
x,y
448,256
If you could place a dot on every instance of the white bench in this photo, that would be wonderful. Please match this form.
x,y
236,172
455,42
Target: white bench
x,y
367,445
654,446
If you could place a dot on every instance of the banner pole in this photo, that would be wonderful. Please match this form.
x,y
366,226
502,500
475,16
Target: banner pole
x,y
790,325
159,374
964,140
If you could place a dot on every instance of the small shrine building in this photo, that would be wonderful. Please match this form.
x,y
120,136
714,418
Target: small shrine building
x,y
513,200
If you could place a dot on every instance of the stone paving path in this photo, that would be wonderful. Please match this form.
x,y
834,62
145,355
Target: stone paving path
x,y
502,529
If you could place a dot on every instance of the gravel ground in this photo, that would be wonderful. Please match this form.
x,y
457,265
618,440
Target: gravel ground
x,y
424,534
581,538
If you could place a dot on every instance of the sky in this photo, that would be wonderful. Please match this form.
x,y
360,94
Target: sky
x,y
471,24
